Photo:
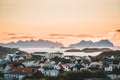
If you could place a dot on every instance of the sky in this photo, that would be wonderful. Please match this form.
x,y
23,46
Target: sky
x,y
65,21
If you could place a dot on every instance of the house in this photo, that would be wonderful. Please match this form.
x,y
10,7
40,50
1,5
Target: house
x,y
96,65
29,56
57,67
14,57
108,70
71,64
65,67
15,75
49,71
109,59
18,58
17,69
77,67
41,63
53,72
9,57
19,73
62,66
6,69
2,63
29,63
34,63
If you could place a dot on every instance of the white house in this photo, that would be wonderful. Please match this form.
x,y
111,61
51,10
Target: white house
x,y
15,75
29,63
49,72
9,57
13,57
19,73
52,72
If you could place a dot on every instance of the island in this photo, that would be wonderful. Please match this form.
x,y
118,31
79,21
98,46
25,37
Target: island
x,y
89,50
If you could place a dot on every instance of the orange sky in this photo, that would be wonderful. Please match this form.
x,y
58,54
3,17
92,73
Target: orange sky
x,y
66,21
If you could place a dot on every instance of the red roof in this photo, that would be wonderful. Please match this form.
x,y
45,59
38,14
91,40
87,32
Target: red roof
x,y
61,66
15,69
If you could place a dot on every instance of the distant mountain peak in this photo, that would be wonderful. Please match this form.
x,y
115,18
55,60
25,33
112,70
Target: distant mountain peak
x,y
40,40
101,43
32,44
32,40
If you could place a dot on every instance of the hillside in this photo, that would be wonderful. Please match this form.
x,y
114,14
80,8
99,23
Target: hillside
x,y
4,51
115,53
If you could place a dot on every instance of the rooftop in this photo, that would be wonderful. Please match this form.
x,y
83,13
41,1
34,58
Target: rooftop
x,y
30,70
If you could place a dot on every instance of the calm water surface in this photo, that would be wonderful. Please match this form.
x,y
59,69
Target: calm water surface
x,y
32,50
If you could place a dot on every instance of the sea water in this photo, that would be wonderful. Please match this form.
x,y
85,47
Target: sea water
x,y
51,50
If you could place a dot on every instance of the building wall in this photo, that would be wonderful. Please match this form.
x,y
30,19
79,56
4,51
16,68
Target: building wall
x,y
14,76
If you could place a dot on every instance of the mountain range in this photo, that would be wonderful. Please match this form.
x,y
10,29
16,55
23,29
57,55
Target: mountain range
x,y
101,43
32,44
49,44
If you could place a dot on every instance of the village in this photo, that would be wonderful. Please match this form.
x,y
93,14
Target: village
x,y
19,66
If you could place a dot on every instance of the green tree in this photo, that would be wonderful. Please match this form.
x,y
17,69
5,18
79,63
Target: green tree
x,y
37,75
57,59
1,75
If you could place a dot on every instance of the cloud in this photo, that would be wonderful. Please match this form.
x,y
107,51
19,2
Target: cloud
x,y
8,33
60,35
70,35
56,37
11,34
118,30
22,37
84,36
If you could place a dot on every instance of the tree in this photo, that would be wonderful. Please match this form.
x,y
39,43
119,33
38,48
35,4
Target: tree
x,y
27,78
1,75
73,75
116,71
57,59
52,78
38,75
61,71
116,61
83,74
99,74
